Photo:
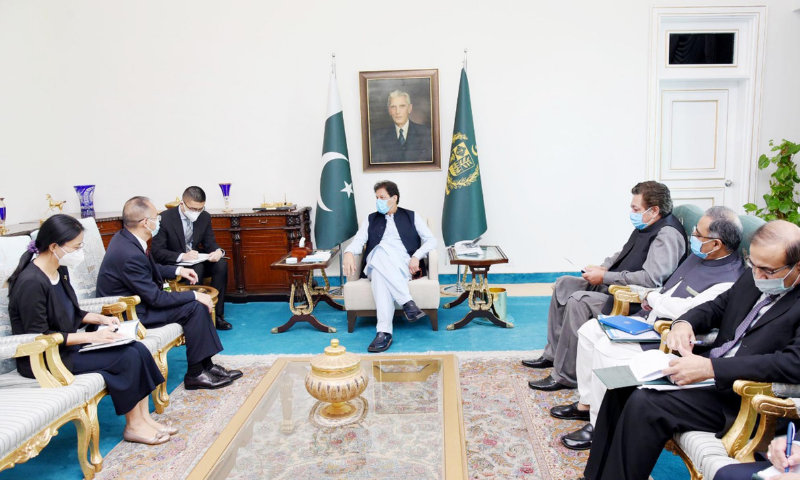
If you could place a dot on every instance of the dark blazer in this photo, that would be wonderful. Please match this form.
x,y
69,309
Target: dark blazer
x,y
418,147
34,308
170,241
769,351
126,270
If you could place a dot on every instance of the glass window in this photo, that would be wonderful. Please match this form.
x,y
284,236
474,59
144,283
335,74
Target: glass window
x,y
702,48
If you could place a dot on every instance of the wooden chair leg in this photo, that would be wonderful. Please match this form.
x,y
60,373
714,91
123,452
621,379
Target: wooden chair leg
x,y
351,321
434,316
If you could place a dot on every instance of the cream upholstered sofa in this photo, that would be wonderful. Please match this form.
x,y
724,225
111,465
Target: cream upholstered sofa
x,y
359,302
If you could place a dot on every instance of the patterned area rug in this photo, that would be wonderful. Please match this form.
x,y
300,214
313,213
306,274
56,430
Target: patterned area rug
x,y
509,432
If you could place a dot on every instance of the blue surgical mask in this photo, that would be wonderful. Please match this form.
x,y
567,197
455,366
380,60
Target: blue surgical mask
x,y
636,220
155,230
696,245
773,286
382,205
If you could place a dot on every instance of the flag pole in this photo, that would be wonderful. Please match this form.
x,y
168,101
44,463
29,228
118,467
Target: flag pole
x,y
457,288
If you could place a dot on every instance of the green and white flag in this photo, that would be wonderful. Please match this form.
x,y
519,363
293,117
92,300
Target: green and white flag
x,y
463,216
335,219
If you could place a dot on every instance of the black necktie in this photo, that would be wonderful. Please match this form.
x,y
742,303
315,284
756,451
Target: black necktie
x,y
401,138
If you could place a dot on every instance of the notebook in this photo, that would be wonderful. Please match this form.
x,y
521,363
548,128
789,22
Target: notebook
x,y
626,324
128,329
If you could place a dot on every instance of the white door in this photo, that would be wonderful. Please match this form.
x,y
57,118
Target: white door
x,y
705,99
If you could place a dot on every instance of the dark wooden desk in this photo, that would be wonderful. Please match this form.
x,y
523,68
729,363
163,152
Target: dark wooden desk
x,y
304,294
480,299
252,242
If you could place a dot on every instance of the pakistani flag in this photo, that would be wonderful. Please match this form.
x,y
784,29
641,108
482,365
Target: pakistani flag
x,y
463,217
336,208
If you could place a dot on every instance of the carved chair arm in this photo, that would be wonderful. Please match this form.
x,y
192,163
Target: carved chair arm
x,y
623,297
45,346
737,437
663,327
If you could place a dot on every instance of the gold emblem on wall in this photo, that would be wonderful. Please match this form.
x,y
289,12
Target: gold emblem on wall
x,y
462,164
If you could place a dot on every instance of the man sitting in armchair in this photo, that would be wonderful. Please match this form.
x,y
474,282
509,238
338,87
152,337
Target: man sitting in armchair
x,y
397,241
711,270
651,254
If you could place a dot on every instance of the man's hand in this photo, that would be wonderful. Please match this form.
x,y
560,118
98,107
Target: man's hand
x,y
786,476
349,264
690,368
215,256
190,255
107,335
205,299
188,274
413,265
594,275
777,454
681,335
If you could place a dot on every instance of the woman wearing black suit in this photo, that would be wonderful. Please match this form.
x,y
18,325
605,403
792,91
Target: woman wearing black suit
x,y
41,300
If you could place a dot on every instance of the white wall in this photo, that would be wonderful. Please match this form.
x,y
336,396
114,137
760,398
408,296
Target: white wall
x,y
147,97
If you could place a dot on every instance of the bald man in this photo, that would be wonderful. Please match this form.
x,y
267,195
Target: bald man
x,y
759,339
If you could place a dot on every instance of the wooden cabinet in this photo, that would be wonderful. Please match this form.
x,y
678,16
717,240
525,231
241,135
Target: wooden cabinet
x,y
252,242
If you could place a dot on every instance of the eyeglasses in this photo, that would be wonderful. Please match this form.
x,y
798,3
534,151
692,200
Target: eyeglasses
x,y
695,233
766,271
196,210
74,247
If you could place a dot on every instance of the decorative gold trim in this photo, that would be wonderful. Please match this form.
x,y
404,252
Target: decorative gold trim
x,y
673,447
160,394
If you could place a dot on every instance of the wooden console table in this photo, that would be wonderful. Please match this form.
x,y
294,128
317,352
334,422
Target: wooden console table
x,y
252,241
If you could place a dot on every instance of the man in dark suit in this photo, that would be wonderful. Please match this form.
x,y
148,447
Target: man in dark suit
x,y
759,339
405,141
185,233
129,269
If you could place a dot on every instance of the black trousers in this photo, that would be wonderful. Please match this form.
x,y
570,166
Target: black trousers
x,y
218,271
741,471
633,426
202,340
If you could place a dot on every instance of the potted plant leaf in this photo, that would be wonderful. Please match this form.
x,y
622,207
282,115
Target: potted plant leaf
x,y
780,202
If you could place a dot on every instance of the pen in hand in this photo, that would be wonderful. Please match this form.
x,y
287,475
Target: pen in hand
x,y
789,441
697,342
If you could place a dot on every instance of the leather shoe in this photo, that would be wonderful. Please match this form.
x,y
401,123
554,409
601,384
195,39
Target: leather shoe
x,y
547,384
169,430
412,311
222,372
570,412
158,439
381,343
222,324
540,362
579,439
206,380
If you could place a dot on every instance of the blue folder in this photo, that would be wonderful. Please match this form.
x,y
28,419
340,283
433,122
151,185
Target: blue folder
x,y
626,324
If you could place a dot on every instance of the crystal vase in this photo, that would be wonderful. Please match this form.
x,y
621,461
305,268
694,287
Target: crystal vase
x,y
3,230
86,197
226,194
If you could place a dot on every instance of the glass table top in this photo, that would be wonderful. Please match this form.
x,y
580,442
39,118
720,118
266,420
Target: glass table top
x,y
490,252
396,432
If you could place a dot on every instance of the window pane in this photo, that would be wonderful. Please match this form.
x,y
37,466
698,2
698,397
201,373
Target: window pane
x,y
701,48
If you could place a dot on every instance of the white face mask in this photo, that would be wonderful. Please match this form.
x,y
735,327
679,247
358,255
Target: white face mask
x,y
70,259
192,216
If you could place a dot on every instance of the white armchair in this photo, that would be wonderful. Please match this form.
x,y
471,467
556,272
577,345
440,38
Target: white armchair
x,y
358,300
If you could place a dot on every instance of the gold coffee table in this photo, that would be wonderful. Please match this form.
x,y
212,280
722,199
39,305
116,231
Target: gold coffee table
x,y
407,425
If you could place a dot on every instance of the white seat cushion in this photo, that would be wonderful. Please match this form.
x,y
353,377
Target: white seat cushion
x,y
15,380
705,450
26,411
150,343
358,294
164,335
90,383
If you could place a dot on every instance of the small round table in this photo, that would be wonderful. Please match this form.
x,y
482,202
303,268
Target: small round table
x,y
477,292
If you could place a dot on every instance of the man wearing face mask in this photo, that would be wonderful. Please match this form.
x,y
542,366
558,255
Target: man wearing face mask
x,y
652,252
186,232
129,269
397,242
759,339
711,270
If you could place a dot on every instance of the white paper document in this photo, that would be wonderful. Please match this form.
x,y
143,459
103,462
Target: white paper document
x,y
647,366
201,257
317,257
127,329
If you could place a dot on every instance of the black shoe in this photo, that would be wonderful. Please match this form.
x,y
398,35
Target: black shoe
x,y
222,372
540,362
222,324
412,311
570,412
381,343
579,439
547,384
205,380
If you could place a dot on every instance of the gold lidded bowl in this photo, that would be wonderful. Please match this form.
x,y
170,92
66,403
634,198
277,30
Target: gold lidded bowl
x,y
336,377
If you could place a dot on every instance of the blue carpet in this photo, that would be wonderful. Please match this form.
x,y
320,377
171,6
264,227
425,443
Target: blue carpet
x,y
251,336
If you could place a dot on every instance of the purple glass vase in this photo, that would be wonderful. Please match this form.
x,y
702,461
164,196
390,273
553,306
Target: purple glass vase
x,y
226,193
86,197
2,217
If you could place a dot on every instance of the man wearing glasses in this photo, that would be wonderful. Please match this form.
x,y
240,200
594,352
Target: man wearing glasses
x,y
130,269
759,340
186,234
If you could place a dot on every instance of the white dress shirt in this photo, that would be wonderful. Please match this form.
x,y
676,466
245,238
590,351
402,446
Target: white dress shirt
x,y
405,130
665,306
143,243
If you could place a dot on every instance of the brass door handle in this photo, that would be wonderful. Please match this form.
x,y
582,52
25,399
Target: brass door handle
x,y
263,222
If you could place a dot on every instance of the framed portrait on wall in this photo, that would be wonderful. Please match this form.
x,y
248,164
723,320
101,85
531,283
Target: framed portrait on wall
x,y
400,120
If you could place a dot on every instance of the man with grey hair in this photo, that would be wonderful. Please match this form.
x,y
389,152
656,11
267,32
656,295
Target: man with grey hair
x,y
128,268
711,270
405,141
